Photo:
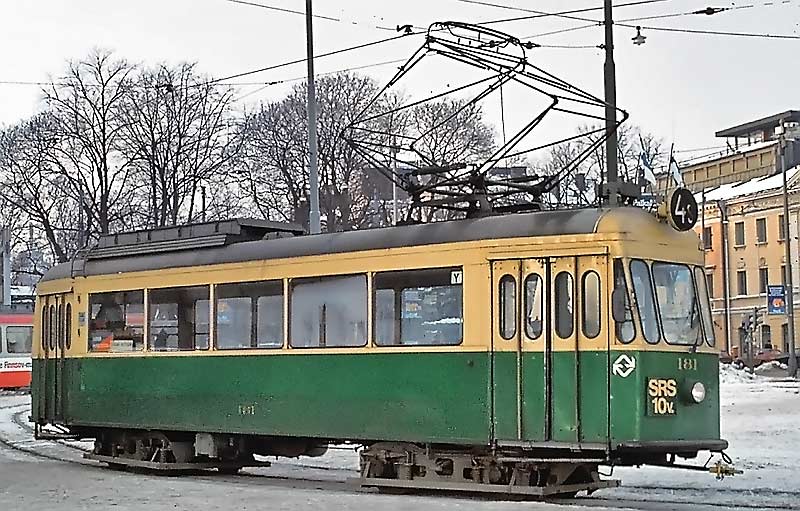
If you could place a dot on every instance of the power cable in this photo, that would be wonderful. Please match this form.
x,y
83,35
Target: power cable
x,y
318,16
622,23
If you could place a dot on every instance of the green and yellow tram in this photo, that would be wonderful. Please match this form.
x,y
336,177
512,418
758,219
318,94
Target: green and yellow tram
x,y
507,353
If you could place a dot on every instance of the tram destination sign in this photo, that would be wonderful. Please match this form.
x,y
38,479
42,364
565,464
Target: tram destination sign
x,y
682,212
776,300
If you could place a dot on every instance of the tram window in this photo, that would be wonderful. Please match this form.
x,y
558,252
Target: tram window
x,y
590,300
419,307
116,321
705,304
45,334
328,312
625,330
69,326
19,339
533,306
53,327
238,305
565,317
508,307
179,318
677,303
645,302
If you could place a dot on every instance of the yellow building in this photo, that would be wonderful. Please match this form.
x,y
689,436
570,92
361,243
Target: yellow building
x,y
740,192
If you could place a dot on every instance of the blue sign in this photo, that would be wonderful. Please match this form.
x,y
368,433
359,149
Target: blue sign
x,y
776,300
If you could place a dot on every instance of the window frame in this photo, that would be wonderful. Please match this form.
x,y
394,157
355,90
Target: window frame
x,y
761,228
4,340
373,301
558,302
781,228
502,313
619,266
736,229
598,296
710,336
708,238
254,313
763,280
691,270
526,302
148,308
653,302
318,278
739,281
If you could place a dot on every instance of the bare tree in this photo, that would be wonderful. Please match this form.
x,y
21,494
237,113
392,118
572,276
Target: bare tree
x,y
179,136
86,106
31,184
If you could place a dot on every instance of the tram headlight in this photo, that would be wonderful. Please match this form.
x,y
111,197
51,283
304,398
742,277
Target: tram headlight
x,y
698,392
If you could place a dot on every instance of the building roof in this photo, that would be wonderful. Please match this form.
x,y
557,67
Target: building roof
x,y
750,187
744,149
760,124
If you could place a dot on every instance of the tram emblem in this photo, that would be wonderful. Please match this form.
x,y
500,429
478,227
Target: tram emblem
x,y
624,365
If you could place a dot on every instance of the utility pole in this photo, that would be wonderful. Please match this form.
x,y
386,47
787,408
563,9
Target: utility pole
x,y
5,240
311,108
610,80
788,248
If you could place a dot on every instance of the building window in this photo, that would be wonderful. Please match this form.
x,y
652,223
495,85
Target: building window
x,y
116,321
783,275
741,279
707,238
781,229
761,230
179,318
249,315
710,284
766,337
425,307
763,280
739,234
328,312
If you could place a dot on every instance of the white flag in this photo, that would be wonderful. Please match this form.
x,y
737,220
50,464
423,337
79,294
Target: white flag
x,y
676,172
647,168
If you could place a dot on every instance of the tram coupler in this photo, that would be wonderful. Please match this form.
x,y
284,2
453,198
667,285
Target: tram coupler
x,y
720,469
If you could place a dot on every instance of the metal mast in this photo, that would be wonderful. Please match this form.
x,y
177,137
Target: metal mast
x,y
311,107
610,80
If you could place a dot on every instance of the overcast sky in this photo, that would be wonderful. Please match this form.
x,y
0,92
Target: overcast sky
x,y
682,87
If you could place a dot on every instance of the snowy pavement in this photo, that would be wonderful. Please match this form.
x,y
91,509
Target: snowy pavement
x,y
757,419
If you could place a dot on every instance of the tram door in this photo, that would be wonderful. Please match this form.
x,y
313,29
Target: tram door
x,y
53,317
546,311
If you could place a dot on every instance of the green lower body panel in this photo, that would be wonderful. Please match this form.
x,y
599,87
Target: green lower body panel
x,y
653,402
579,397
465,398
435,397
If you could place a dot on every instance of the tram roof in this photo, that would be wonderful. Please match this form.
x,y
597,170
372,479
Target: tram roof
x,y
543,223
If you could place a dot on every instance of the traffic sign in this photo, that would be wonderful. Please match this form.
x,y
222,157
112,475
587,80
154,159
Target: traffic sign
x,y
776,300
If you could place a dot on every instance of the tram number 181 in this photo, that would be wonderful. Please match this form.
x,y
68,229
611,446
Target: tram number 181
x,y
661,394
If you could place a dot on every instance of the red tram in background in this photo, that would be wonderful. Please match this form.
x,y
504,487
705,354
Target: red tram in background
x,y
16,337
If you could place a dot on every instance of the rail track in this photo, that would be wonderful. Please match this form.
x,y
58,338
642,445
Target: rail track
x,y
16,434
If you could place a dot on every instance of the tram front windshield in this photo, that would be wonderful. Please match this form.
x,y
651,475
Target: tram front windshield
x,y
677,303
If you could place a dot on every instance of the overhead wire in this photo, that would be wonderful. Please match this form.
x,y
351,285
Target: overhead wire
x,y
625,23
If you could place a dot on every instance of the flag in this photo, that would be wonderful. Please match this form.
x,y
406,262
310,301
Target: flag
x,y
647,170
675,171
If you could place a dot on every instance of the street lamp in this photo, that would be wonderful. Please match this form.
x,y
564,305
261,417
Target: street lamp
x,y
786,132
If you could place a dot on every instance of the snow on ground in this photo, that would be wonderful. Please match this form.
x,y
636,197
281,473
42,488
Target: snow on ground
x,y
759,419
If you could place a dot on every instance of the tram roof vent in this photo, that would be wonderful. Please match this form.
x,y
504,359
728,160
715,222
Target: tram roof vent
x,y
190,237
